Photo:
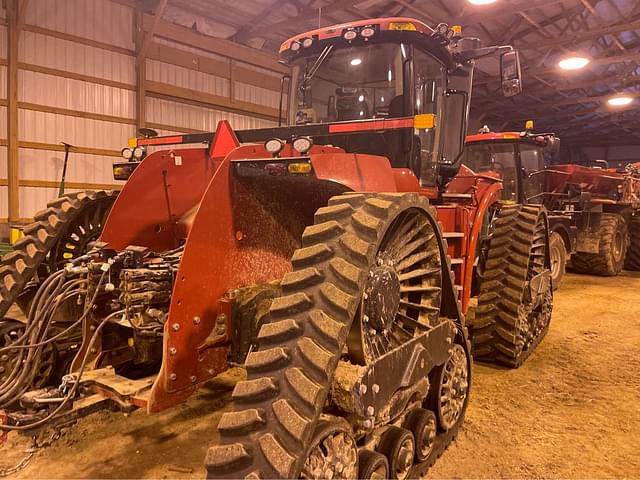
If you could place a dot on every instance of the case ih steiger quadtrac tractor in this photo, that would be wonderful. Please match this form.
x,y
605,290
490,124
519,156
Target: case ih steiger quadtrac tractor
x,y
593,211
334,257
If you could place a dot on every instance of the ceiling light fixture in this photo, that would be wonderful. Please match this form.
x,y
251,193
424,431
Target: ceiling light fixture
x,y
481,2
574,62
355,62
620,101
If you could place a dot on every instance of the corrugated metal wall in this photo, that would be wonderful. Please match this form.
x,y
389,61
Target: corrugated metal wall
x,y
77,84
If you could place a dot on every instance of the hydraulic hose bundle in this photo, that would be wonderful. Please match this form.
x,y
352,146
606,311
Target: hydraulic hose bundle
x,y
55,290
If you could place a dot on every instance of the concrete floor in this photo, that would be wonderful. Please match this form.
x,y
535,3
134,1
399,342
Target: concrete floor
x,y
572,411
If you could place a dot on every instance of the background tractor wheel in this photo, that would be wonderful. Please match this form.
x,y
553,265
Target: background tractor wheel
x,y
510,321
558,254
632,260
614,241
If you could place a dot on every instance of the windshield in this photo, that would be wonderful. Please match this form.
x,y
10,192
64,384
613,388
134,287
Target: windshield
x,y
499,158
349,84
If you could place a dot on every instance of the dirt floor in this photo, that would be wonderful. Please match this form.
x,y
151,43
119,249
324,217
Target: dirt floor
x,y
572,411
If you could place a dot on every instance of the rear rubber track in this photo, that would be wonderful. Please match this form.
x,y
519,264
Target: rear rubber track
x,y
604,262
494,330
18,267
632,260
275,411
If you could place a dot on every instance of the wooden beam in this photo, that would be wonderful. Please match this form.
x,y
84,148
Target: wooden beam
x,y
55,184
148,36
56,147
76,113
579,37
75,76
76,39
209,100
141,74
13,36
240,53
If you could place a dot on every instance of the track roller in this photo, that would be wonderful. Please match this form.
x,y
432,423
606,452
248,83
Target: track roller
x,y
398,445
372,465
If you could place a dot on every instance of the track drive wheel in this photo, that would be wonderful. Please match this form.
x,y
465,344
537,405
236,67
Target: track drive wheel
x,y
275,412
632,260
515,301
558,254
614,241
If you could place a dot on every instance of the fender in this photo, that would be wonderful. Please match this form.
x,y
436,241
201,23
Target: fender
x,y
237,239
490,196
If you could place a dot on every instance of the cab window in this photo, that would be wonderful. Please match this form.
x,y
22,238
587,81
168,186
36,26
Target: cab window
x,y
532,160
498,158
429,91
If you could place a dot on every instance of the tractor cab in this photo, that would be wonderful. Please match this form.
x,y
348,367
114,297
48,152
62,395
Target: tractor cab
x,y
517,158
393,87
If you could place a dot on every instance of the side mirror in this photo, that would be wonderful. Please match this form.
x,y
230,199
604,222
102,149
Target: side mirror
x,y
510,75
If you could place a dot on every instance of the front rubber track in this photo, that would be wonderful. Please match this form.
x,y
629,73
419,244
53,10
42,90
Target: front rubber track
x,y
275,411
18,267
494,330
632,259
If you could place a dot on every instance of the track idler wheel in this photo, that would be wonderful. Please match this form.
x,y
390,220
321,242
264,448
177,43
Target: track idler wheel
x,y
450,389
398,445
422,423
333,453
372,465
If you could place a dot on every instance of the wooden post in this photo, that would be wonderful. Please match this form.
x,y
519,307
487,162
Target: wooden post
x,y
13,33
141,73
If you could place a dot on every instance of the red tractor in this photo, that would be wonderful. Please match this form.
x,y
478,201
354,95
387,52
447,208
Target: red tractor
x,y
320,256
593,210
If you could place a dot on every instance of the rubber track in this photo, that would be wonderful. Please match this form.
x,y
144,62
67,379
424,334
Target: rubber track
x,y
275,411
632,260
502,286
18,267
601,263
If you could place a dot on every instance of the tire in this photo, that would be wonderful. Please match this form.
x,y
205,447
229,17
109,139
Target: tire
x,y
632,259
509,325
398,445
372,465
275,411
558,254
614,241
